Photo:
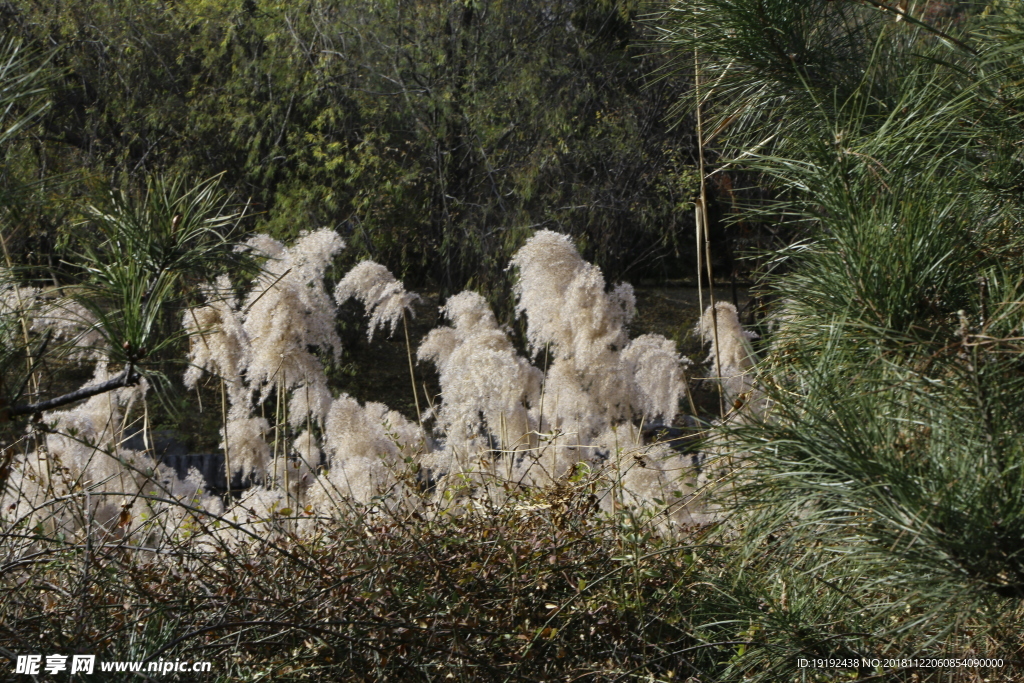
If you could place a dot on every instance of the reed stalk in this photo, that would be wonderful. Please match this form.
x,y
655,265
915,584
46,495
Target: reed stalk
x,y
224,419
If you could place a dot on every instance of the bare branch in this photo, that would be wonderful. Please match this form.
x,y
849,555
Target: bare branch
x,y
126,379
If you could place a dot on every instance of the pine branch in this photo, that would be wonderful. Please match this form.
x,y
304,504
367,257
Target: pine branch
x,y
126,379
926,26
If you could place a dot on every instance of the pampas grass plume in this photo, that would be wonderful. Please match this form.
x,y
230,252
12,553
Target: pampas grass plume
x,y
289,311
384,297
731,356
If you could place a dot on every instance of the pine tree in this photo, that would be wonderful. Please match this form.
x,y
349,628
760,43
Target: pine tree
x,y
880,502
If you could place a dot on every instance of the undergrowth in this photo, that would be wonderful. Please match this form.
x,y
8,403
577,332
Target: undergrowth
x,y
544,587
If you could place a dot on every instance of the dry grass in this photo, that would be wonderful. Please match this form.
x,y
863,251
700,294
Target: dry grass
x,y
544,588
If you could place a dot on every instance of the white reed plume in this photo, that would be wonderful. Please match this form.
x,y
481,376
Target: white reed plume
x,y
597,319
77,434
598,377
73,324
365,447
246,438
218,343
656,372
731,356
569,405
547,264
568,311
598,381
288,311
81,450
485,385
646,476
312,397
564,299
307,452
264,245
384,297
259,511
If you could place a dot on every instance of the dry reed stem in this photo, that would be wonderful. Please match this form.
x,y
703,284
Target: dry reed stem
x,y
224,419
412,372
703,237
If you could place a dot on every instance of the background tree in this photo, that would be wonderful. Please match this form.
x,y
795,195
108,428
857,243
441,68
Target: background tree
x,y
434,137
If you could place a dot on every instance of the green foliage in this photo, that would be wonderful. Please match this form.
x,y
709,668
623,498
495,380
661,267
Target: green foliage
x,y
151,252
884,480
436,136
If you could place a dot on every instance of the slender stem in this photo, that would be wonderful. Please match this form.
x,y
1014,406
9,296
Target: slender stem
x,y
699,205
689,396
284,442
543,393
277,431
412,372
35,360
714,322
309,442
224,419
703,238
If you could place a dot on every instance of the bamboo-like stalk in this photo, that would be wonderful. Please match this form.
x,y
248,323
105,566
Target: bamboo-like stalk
x,y
698,206
689,396
714,321
503,429
543,392
309,437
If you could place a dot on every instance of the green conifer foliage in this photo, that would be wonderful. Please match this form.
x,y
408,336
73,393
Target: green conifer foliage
x,y
883,483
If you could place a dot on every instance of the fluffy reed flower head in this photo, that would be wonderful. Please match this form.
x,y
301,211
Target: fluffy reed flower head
x,y
564,299
638,474
365,445
656,373
83,436
288,311
311,398
547,264
384,297
248,449
567,307
731,356
307,450
571,402
597,319
484,383
264,245
218,342
74,325
598,377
